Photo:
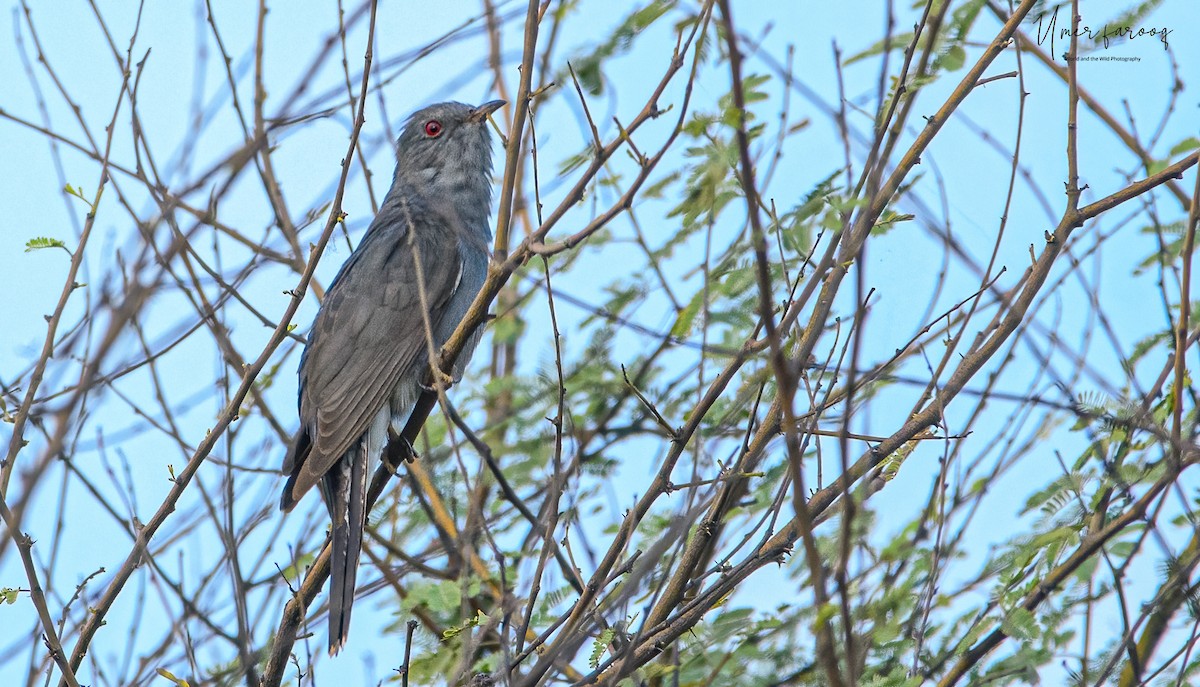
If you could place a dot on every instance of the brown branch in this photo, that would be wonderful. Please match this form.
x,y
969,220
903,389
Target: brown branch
x,y
38,597
230,412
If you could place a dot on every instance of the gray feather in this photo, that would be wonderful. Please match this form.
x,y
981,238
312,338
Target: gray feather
x,y
399,295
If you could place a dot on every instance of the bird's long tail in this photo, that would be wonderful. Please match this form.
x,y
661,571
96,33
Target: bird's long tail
x,y
346,486
349,517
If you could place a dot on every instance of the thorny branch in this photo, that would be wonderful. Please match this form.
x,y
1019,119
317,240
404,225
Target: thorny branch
x,y
638,451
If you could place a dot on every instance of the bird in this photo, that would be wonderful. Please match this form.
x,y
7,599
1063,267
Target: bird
x,y
394,302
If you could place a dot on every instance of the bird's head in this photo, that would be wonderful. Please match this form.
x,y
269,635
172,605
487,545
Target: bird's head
x,y
446,146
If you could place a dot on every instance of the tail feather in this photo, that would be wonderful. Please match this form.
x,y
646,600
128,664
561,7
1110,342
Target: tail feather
x,y
346,486
346,548
340,596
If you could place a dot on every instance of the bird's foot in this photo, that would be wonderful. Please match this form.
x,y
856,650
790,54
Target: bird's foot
x,y
398,449
410,451
441,380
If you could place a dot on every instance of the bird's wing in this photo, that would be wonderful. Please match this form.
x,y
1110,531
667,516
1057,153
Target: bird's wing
x,y
371,330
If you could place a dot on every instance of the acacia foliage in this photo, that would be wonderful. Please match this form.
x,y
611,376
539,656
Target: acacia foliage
x,y
790,379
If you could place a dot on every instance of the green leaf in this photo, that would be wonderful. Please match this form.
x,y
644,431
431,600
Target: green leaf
x,y
975,634
574,162
826,613
480,618
439,597
656,189
507,329
953,59
292,572
750,88
817,197
1054,536
1190,143
8,595
687,316
267,377
731,622
599,646
180,682
41,242
889,219
896,42
1020,624
1147,345
588,67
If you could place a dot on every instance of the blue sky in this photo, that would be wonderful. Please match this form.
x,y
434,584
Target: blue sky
x,y
906,262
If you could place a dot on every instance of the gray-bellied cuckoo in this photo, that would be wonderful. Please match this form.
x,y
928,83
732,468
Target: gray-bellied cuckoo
x,y
397,298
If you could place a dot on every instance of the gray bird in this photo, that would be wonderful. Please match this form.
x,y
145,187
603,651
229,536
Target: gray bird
x,y
400,295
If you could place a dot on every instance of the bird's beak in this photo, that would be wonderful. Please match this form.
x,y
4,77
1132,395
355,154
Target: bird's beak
x,y
481,113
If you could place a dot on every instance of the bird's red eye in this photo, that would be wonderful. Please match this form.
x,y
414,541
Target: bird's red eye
x,y
433,128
